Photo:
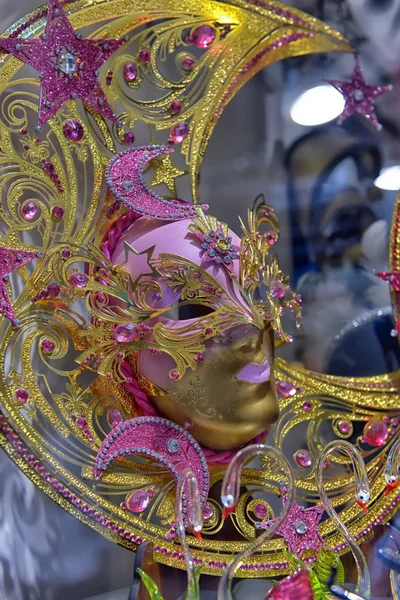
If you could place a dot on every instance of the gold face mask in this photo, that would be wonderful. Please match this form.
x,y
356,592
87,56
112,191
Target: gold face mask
x,y
215,369
230,398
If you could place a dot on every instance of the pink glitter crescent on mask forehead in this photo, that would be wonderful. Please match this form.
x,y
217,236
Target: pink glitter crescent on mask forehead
x,y
67,65
125,180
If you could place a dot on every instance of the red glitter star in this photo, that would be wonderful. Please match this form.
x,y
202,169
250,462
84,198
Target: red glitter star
x,y
300,529
10,260
295,586
360,97
392,278
67,65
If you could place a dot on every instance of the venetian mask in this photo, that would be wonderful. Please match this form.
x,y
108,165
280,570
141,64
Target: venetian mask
x,y
200,313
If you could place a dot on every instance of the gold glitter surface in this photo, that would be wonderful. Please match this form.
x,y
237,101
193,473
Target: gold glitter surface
x,y
165,173
61,390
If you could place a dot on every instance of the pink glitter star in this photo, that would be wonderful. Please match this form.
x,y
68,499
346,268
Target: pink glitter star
x,y
10,260
360,97
300,530
67,65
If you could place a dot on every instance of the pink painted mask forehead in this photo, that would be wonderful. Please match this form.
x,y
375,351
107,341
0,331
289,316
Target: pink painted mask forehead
x,y
172,238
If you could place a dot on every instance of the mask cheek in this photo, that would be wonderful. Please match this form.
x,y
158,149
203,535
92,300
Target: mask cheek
x,y
253,373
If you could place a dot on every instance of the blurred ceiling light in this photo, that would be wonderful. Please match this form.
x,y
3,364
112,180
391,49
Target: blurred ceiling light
x,y
317,105
389,178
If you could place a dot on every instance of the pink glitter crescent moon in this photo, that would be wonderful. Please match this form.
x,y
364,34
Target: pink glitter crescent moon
x,y
125,179
160,440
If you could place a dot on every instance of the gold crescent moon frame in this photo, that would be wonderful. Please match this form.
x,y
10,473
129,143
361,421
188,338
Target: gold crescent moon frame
x,y
43,435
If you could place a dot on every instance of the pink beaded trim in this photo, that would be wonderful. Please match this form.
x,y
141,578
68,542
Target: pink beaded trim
x,y
59,487
286,14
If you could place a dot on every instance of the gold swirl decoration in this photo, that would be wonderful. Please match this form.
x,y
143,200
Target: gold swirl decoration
x,y
57,404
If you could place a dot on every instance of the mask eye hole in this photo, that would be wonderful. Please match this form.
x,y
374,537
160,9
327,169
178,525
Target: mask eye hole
x,y
193,311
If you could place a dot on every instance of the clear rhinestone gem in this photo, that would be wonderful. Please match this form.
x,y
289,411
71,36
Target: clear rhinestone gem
x,y
300,527
67,63
358,95
173,445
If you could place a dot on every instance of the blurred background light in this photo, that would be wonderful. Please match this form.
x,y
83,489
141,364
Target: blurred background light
x,y
317,105
389,178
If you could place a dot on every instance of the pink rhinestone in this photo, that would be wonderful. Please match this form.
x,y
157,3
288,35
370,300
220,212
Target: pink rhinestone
x,y
130,71
114,417
203,36
285,389
345,427
175,107
53,289
208,511
126,333
22,395
73,130
57,212
395,422
375,433
47,346
66,253
326,464
188,63
179,132
29,210
144,56
303,459
307,405
174,375
271,237
128,138
278,290
81,422
261,511
78,280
